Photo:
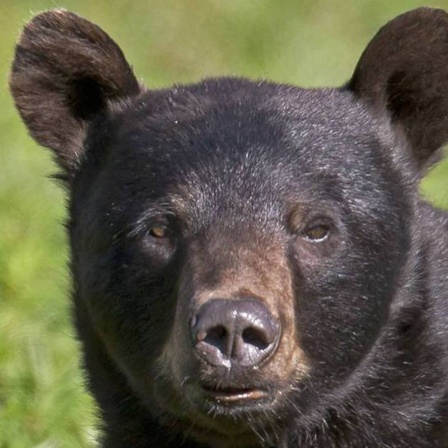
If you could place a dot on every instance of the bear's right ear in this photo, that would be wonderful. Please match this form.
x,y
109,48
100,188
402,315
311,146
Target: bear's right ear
x,y
403,72
65,71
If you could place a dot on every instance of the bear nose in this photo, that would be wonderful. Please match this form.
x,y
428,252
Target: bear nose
x,y
234,332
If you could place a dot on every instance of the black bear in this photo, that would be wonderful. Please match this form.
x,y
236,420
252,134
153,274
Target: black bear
x,y
252,263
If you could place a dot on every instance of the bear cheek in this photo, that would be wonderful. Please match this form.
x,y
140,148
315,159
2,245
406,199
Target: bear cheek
x,y
342,306
114,282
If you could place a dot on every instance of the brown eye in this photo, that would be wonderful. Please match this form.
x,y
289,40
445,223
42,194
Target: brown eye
x,y
318,233
159,230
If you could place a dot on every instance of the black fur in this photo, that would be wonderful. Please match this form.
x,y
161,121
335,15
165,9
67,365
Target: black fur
x,y
239,175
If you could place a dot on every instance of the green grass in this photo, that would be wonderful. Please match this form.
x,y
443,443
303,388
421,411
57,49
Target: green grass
x,y
310,43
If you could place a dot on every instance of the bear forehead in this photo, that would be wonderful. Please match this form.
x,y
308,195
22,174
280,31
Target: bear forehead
x,y
240,144
230,122
251,102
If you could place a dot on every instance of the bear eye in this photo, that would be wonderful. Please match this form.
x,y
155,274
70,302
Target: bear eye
x,y
159,230
317,233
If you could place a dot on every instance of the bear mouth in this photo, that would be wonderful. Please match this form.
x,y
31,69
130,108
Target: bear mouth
x,y
234,396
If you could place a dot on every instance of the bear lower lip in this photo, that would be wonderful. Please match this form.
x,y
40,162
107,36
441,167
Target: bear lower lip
x,y
233,395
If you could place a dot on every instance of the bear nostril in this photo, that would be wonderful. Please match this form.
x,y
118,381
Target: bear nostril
x,y
216,333
255,337
240,331
215,337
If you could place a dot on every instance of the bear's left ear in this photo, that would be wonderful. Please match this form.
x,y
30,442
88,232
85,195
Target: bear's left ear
x,y
65,72
404,71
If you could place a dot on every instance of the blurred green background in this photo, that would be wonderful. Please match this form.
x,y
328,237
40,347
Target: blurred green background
x,y
309,43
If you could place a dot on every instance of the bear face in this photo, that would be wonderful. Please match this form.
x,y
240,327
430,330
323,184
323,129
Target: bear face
x,y
200,214
247,256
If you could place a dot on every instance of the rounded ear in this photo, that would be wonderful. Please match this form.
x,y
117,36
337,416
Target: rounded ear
x,y
65,71
404,72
